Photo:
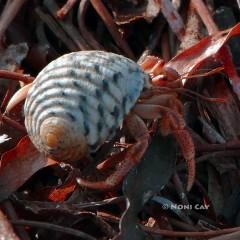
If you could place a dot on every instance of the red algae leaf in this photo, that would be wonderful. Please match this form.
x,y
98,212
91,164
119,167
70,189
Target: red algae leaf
x,y
61,193
190,60
18,165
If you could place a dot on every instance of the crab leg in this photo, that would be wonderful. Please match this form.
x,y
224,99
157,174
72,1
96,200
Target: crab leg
x,y
166,100
152,111
186,144
152,65
111,161
132,156
173,123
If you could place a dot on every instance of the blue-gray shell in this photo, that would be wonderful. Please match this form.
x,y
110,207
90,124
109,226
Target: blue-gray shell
x,y
91,91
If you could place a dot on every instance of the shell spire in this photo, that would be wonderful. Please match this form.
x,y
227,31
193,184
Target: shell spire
x,y
61,141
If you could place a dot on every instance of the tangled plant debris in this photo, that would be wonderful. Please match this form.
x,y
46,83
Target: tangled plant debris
x,y
196,46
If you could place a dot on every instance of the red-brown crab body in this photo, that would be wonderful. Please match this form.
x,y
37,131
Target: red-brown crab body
x,y
80,99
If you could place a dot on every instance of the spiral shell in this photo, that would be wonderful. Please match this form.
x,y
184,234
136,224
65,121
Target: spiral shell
x,y
79,100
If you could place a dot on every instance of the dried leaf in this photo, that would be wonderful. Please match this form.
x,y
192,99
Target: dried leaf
x,y
60,193
150,176
18,165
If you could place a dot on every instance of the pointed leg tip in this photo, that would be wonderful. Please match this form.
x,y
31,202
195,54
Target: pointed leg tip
x,y
191,176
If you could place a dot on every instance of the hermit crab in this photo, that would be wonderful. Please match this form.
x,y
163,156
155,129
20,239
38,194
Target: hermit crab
x,y
78,101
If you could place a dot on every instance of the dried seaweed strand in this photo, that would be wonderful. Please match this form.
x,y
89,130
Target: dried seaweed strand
x,y
182,225
209,233
153,39
205,15
165,46
58,31
231,236
16,76
8,95
67,26
10,11
173,18
208,156
111,26
192,32
63,11
73,208
12,123
54,227
83,6
219,147
210,132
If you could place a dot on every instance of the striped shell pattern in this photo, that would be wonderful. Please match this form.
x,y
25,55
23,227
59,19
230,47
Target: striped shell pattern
x,y
79,100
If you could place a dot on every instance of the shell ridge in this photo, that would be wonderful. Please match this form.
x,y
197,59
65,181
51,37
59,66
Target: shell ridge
x,y
86,93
